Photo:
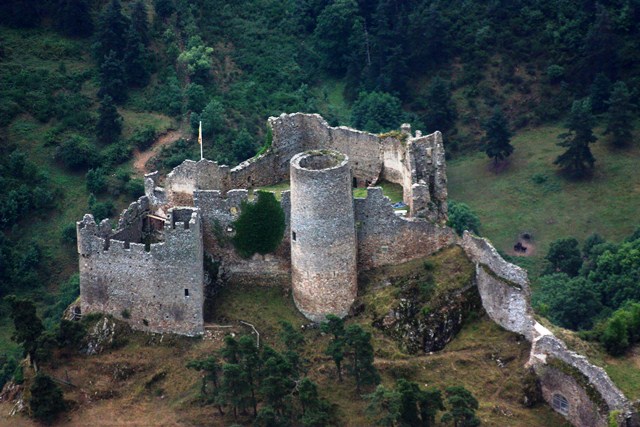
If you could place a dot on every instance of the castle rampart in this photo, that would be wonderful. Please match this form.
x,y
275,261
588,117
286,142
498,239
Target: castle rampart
x,y
385,238
372,158
156,287
570,384
329,237
323,239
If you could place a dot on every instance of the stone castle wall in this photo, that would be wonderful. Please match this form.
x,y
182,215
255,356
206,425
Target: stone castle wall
x,y
218,213
324,275
385,238
505,294
156,287
372,158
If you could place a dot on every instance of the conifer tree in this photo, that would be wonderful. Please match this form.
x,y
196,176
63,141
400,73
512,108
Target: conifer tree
x,y
113,78
462,408
620,115
140,21
136,62
235,389
74,18
359,342
112,30
249,361
599,93
27,324
109,124
335,326
497,137
441,111
578,158
46,400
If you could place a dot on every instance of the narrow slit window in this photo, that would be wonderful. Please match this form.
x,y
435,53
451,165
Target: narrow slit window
x,y
186,292
293,236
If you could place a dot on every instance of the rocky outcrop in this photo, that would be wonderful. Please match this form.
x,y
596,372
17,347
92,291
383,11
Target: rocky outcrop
x,y
420,328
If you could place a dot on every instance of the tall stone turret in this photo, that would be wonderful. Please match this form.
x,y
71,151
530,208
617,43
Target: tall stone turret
x,y
323,236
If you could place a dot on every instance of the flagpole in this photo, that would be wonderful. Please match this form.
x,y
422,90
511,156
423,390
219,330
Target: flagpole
x,y
200,141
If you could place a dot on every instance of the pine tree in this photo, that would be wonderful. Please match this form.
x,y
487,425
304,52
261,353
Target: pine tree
x,y
359,342
335,326
140,21
235,389
112,30
620,115
46,400
441,112
109,124
599,93
249,361
578,158
136,61
462,408
27,324
113,78
498,137
74,18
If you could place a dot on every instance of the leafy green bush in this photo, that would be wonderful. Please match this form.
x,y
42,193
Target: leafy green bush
x,y
68,233
461,218
260,226
76,153
143,138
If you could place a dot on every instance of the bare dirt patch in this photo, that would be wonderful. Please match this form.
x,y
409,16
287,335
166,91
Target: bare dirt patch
x,y
140,158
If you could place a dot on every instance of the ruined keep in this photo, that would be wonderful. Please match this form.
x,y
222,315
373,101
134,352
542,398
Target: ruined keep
x,y
324,276
149,270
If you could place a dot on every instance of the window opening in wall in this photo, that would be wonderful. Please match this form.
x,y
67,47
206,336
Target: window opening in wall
x,y
560,404
355,182
186,292
293,236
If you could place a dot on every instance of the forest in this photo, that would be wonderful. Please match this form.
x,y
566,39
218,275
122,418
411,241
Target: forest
x,y
85,84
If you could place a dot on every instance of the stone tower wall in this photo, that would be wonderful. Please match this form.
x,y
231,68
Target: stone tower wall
x,y
156,287
323,237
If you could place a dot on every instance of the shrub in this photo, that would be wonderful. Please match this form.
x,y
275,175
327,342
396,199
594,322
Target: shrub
x,y
96,181
68,233
260,226
461,218
76,153
143,138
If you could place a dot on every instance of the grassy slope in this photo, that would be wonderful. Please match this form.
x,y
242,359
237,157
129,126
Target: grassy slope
x,y
118,385
510,202
42,49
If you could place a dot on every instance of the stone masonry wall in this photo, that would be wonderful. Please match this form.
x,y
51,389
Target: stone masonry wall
x,y
323,239
385,238
371,158
159,290
218,213
504,289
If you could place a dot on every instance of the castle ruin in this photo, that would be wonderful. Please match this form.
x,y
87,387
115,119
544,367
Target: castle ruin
x,y
149,270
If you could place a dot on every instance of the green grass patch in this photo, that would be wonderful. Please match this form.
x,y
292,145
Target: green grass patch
x,y
261,306
277,189
531,195
134,121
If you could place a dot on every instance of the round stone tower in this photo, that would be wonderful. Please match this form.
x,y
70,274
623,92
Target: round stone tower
x,y
323,234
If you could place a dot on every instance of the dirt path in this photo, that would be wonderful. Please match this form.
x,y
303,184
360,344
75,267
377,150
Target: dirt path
x,y
140,158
